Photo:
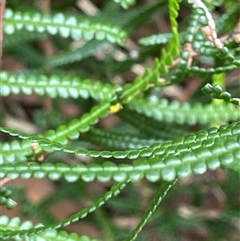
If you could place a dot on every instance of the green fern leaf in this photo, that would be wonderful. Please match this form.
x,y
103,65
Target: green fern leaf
x,y
217,92
75,126
54,86
204,72
78,54
156,39
65,26
162,110
173,11
163,150
156,200
49,235
149,127
117,140
21,37
13,228
181,157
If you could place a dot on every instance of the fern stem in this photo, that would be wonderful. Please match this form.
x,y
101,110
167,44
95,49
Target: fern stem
x,y
156,200
114,191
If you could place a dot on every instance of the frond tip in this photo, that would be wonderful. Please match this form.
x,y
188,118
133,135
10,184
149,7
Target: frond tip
x,y
217,92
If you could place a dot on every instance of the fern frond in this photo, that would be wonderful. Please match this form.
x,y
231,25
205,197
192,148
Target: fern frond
x,y
154,149
217,92
27,54
150,77
76,126
50,146
149,127
173,12
65,26
9,230
49,235
167,55
61,135
160,65
54,86
204,72
71,56
117,140
174,111
157,39
152,142
181,157
20,37
156,200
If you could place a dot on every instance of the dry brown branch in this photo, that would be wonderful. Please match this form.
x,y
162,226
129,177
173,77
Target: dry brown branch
x,y
2,9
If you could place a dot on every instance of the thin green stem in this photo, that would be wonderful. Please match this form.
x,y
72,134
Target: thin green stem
x,y
156,200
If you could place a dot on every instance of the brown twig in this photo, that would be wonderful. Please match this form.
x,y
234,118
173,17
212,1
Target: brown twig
x,y
4,181
2,9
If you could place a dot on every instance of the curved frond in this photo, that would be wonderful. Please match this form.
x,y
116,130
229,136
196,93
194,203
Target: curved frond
x,y
60,24
193,154
204,72
60,135
160,65
117,140
217,92
54,86
145,137
28,229
49,235
71,56
21,36
149,127
73,129
181,113
163,149
173,12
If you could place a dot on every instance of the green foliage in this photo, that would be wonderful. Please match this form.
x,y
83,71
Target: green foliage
x,y
159,137
60,24
9,230
217,92
5,199
55,86
15,223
